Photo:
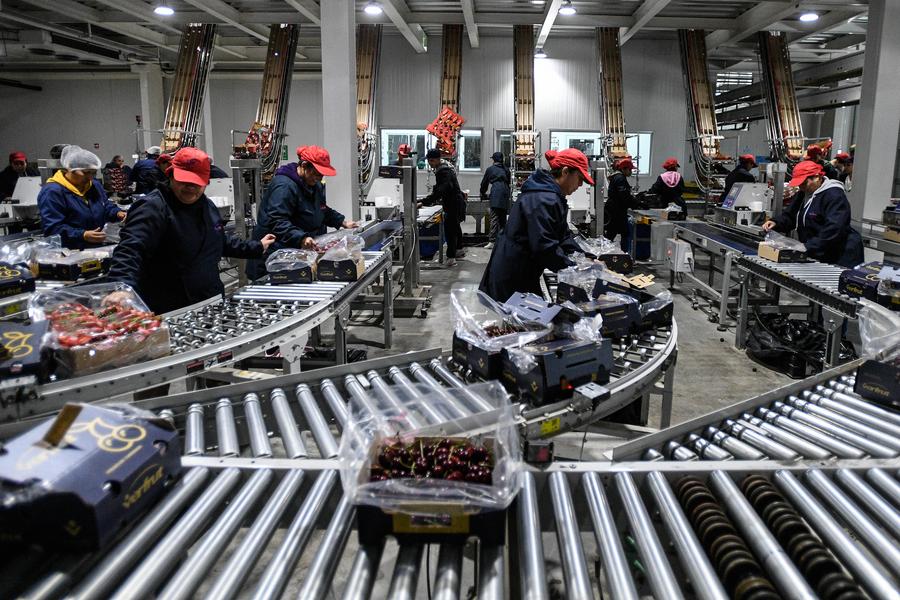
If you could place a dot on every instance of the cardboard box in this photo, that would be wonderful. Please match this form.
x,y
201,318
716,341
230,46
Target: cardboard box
x,y
892,234
15,280
125,350
73,482
340,270
74,265
570,293
620,317
21,349
484,363
562,365
618,262
863,281
305,274
891,216
779,255
532,308
879,381
657,318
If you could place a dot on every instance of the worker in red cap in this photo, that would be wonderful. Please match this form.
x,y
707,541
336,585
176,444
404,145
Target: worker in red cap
x,y
816,154
669,187
537,234
619,199
820,212
18,167
741,173
844,165
174,237
294,208
403,151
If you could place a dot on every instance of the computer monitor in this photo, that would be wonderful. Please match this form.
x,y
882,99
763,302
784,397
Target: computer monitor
x,y
732,196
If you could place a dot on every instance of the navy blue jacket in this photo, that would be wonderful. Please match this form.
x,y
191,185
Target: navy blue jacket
x,y
9,178
170,251
500,180
670,194
824,225
536,237
146,175
68,215
619,200
738,175
447,193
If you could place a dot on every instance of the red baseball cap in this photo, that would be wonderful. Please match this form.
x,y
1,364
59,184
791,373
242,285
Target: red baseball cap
x,y
670,162
319,158
804,169
814,150
190,165
570,157
843,157
163,159
14,156
748,159
404,150
624,163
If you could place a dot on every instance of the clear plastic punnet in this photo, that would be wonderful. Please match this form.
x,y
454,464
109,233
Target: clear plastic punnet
x,y
482,321
290,259
414,449
783,242
98,327
879,330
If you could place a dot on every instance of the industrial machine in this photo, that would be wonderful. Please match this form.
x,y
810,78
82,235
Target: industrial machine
x,y
221,192
23,204
745,205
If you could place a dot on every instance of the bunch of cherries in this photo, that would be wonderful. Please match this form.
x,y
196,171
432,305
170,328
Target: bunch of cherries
x,y
452,460
502,329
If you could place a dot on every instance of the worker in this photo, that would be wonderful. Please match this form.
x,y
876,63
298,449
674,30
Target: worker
x,y
500,179
18,167
115,176
619,200
293,207
174,237
741,173
820,212
403,151
146,173
217,173
537,235
73,204
844,165
669,186
447,193
816,154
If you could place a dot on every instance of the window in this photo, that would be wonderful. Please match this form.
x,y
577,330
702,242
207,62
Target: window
x,y
638,145
730,80
589,142
469,149
505,145
468,146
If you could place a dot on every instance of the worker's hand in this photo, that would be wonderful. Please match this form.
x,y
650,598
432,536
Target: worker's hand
x,y
267,240
308,243
768,225
94,236
348,224
119,297
121,215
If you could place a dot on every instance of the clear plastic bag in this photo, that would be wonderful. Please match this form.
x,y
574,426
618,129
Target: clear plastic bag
x,y
349,246
390,430
17,253
598,246
327,241
480,320
290,259
583,274
783,242
879,330
660,301
98,327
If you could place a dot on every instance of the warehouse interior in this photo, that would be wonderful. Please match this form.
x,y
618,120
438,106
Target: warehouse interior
x,y
450,299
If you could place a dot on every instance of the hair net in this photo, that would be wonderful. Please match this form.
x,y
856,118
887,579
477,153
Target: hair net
x,y
154,151
74,158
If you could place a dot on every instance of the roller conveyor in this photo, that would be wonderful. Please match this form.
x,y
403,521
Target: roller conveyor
x,y
814,280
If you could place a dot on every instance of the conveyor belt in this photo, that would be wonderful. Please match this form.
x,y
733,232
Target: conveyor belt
x,y
719,235
819,418
814,280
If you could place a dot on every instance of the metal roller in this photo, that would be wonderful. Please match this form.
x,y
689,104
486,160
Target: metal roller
x,y
702,575
882,546
432,415
238,568
706,450
320,573
883,417
477,403
876,505
533,579
884,482
146,578
877,582
609,545
454,409
360,396
678,452
864,444
659,573
316,421
362,574
776,562
226,432
336,403
885,439
653,455
491,572
194,444
287,426
406,572
115,565
256,427
806,448
578,582
198,564
448,576
283,562
167,415
820,438
386,392
739,449
754,438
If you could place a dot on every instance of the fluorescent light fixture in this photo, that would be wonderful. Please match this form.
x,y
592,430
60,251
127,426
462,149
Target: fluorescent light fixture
x,y
373,8
567,10
537,1
163,9
539,53
809,17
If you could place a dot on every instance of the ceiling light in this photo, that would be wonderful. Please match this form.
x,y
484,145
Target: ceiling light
x,y
373,8
808,17
163,9
537,1
567,10
540,53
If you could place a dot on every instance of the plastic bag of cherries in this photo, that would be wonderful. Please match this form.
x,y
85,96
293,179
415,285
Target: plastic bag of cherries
x,y
420,450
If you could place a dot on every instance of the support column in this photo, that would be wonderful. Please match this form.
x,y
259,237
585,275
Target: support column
x,y
339,102
842,134
153,107
206,142
879,113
